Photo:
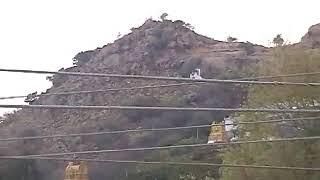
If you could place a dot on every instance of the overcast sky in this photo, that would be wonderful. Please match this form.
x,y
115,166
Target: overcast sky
x,y
45,35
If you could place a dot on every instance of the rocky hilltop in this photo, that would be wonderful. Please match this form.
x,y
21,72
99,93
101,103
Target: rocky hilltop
x,y
312,38
161,48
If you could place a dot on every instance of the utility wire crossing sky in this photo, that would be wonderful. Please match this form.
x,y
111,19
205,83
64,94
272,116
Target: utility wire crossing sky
x,y
39,34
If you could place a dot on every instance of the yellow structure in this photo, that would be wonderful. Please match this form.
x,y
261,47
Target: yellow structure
x,y
76,172
217,133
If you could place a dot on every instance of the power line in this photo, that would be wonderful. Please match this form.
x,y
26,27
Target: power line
x,y
283,75
158,86
177,146
159,108
12,97
164,162
160,78
106,90
154,129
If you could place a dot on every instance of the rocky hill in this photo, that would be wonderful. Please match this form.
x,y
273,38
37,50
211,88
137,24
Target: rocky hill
x,y
162,48
312,38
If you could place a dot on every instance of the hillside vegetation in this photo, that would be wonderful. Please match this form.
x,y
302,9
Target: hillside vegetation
x,y
285,60
169,48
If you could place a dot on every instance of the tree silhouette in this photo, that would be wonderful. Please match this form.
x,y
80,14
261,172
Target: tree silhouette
x,y
163,16
231,39
278,40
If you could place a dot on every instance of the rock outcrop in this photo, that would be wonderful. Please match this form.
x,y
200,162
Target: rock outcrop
x,y
312,38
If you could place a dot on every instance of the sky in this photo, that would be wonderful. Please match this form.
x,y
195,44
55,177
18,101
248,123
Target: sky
x,y
46,35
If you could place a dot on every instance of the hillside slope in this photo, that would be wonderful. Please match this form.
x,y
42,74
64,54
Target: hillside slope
x,y
162,48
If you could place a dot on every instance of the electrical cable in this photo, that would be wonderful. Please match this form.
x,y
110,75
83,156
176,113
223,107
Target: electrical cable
x,y
159,108
159,78
154,129
178,146
156,86
164,162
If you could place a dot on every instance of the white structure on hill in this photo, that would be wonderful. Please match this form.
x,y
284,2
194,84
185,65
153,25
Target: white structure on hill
x,y
195,74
